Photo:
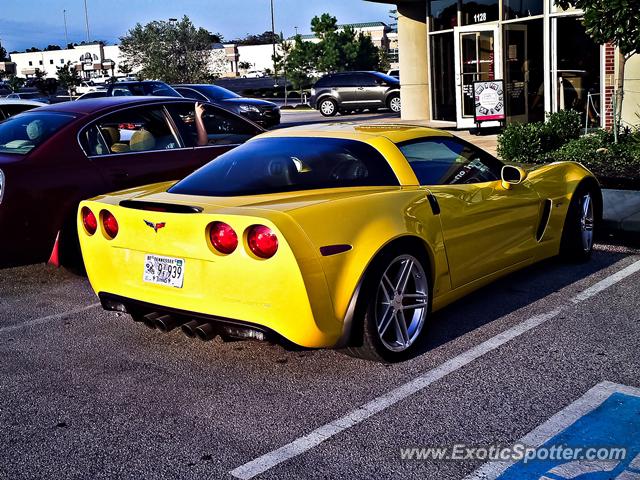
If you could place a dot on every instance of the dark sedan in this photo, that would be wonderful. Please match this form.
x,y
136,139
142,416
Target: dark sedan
x,y
52,157
262,112
142,88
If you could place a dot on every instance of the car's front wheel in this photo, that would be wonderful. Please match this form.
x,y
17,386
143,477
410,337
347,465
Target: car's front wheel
x,y
394,103
328,107
580,224
396,301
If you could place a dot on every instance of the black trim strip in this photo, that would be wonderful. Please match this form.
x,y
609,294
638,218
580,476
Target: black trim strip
x,y
110,301
160,207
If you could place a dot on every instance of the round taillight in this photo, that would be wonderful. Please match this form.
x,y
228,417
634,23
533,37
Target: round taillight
x,y
262,241
223,238
110,224
89,221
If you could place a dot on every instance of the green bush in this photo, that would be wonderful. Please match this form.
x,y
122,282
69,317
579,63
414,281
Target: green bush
x,y
531,142
617,165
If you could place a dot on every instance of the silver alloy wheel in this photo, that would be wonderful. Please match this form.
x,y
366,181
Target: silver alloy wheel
x,y
395,104
327,107
402,301
586,222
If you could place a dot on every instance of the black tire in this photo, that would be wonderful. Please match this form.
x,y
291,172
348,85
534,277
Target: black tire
x,y
366,342
328,107
393,103
574,245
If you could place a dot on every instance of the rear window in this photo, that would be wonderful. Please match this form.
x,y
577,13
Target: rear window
x,y
24,132
271,165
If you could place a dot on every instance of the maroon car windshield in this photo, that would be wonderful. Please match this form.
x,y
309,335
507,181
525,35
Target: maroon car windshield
x,y
22,133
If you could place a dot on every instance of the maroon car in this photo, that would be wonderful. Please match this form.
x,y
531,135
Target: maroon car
x,y
52,157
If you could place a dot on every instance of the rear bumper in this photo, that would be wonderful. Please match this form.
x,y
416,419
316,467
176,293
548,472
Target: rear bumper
x,y
118,303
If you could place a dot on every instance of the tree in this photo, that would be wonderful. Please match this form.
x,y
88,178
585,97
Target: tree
x,y
244,65
46,86
175,52
265,38
616,22
3,54
125,68
15,83
51,48
340,50
68,77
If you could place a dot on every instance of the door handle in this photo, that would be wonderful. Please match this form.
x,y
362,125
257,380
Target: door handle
x,y
360,88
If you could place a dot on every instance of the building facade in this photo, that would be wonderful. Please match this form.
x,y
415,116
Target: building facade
x,y
542,52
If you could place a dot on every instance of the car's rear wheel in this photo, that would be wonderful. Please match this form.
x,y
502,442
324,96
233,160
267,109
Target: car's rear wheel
x,y
328,107
396,302
394,103
580,225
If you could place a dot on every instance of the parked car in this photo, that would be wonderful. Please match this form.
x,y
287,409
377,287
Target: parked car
x,y
395,73
36,96
86,87
346,92
96,94
143,88
340,235
4,91
54,156
262,112
10,107
254,74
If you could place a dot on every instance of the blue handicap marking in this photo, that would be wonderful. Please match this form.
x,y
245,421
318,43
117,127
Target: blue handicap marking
x,y
614,423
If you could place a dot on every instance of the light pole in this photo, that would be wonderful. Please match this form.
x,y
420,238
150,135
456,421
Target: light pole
x,y
273,41
66,33
86,19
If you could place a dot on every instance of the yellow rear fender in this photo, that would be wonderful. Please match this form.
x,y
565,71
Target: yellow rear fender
x,y
557,182
365,226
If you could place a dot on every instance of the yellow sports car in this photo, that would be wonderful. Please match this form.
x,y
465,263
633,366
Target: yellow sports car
x,y
339,235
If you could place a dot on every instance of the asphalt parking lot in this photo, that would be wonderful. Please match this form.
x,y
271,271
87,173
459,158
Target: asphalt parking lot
x,y
91,394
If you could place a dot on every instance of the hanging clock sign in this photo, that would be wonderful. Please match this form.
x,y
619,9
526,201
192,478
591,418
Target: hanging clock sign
x,y
489,101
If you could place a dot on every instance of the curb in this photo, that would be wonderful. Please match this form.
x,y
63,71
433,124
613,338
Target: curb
x,y
621,210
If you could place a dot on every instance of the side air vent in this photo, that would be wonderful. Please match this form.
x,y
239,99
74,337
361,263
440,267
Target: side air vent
x,y
544,219
159,207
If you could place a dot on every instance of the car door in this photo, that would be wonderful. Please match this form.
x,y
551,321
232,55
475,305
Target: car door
x,y
486,227
345,85
224,130
370,91
137,146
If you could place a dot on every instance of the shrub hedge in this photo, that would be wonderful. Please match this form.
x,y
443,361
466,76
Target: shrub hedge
x,y
617,165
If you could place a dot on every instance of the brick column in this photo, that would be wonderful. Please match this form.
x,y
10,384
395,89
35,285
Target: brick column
x,y
609,84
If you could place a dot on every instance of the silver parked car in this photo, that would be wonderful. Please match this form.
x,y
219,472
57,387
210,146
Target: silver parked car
x,y
346,92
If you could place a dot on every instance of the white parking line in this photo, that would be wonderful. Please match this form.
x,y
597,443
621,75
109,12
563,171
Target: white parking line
x,y
354,417
48,318
560,421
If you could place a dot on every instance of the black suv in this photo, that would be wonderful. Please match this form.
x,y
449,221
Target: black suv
x,y
355,91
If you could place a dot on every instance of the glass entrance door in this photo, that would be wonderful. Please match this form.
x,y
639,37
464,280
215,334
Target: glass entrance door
x,y
477,50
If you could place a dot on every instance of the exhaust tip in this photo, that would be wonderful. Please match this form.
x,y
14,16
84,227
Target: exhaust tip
x,y
166,323
206,332
189,328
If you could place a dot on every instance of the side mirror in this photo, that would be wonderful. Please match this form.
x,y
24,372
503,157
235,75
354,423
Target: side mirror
x,y
512,175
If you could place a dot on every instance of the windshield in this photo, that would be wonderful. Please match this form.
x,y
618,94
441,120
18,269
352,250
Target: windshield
x,y
218,93
387,78
24,132
271,165
157,89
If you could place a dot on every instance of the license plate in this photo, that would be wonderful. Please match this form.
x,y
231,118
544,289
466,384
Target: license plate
x,y
166,271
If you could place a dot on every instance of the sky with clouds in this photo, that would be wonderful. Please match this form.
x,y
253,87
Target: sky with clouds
x,y
27,23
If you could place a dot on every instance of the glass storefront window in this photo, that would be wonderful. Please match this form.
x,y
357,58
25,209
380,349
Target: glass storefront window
x,y
524,71
578,72
444,14
478,64
479,11
443,77
522,8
